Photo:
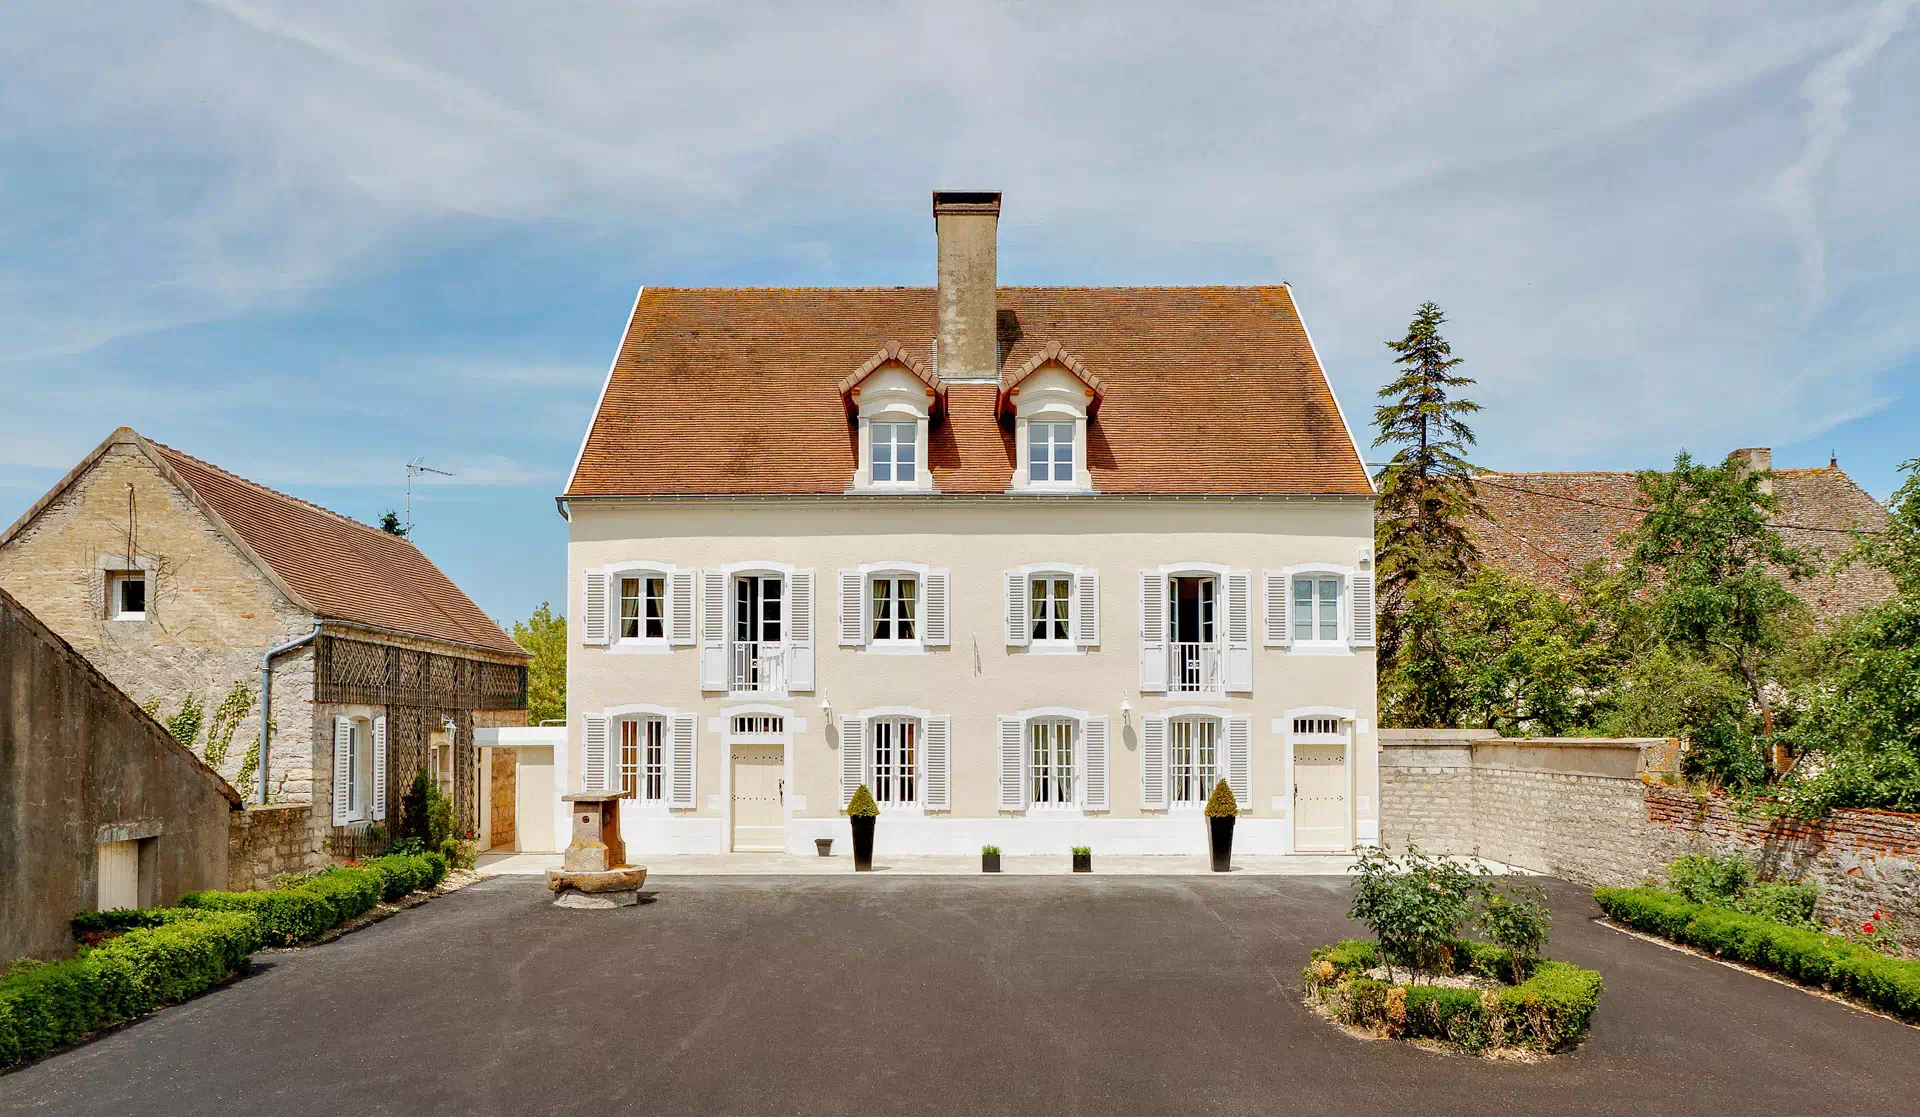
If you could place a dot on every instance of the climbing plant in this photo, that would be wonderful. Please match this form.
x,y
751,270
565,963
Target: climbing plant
x,y
185,725
226,720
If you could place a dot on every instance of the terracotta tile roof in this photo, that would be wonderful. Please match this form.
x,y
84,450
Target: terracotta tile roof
x,y
344,569
735,391
1546,526
1053,353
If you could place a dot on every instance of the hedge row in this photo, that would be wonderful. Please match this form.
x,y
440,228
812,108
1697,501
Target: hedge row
x,y
289,916
1814,957
1550,1011
45,1005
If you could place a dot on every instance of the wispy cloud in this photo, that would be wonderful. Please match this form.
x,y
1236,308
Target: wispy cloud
x,y
1828,94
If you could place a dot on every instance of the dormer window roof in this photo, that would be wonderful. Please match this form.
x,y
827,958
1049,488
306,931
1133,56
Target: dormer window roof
x,y
1053,354
892,355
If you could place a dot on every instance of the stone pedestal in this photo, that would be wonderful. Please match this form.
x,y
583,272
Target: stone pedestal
x,y
616,888
594,872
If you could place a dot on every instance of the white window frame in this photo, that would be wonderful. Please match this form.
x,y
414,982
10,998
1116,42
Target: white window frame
x,y
116,581
359,767
643,644
894,424
1053,572
616,750
613,716
1077,761
896,570
1218,716
870,719
1340,645
1074,441
1051,395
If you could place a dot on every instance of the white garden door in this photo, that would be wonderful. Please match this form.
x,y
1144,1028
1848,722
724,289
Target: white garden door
x,y
119,875
1320,799
759,788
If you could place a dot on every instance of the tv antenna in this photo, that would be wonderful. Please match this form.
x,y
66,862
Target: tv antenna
x,y
414,468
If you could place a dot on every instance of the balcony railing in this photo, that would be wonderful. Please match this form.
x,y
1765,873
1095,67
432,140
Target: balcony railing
x,y
1196,669
759,667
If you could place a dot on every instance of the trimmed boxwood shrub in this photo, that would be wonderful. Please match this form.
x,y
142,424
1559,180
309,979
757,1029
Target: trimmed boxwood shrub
x,y
1889,984
402,873
1550,1011
287,916
43,1006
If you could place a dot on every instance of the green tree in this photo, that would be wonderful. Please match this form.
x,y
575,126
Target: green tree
x,y
1860,717
545,636
1706,567
390,523
1506,654
1426,496
1897,549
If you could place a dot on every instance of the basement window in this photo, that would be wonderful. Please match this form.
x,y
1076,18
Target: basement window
x,y
127,597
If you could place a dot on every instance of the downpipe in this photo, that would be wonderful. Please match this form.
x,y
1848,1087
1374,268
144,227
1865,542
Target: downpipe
x,y
266,698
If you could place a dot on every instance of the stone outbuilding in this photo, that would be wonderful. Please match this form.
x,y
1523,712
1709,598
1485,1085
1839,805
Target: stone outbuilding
x,y
99,806
178,580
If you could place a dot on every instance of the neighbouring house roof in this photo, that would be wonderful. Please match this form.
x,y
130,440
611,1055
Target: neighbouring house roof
x,y
81,665
1548,526
339,569
1204,390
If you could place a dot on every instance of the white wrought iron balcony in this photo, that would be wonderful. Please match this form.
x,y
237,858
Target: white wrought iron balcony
x,y
759,668
1196,669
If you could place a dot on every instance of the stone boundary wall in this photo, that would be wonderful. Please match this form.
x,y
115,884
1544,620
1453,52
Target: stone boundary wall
x,y
1600,812
1863,861
263,841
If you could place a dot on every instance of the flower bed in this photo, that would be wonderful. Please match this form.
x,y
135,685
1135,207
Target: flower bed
x,y
1806,955
1547,1012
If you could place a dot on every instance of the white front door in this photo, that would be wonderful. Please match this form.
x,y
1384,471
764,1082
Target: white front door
x,y
759,791
1320,799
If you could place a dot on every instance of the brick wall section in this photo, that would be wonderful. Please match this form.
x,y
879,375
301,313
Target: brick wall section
x,y
1597,812
264,841
1863,861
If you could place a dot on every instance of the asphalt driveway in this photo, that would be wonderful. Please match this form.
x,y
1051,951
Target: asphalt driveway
x,y
932,995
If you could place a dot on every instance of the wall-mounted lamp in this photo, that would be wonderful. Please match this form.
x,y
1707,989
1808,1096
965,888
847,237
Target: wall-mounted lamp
x,y
1126,712
826,710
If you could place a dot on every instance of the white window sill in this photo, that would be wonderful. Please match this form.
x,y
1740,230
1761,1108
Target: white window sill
x,y
1054,647
1318,647
640,647
895,647
129,616
1054,487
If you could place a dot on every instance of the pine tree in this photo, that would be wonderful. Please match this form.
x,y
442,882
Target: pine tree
x,y
390,523
1426,496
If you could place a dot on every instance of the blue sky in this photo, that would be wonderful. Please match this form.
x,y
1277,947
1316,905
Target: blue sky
x,y
309,242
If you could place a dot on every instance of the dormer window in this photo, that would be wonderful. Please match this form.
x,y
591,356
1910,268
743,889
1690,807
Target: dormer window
x,y
1051,399
893,400
1050,451
895,449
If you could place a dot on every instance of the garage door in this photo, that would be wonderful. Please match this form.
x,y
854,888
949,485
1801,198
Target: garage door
x,y
1320,799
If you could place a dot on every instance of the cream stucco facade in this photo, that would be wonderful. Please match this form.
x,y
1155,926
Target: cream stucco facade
x,y
978,676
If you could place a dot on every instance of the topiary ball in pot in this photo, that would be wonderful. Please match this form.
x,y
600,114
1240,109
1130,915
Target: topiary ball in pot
x,y
862,812
1221,812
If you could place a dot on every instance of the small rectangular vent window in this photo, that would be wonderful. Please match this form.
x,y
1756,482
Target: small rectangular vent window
x,y
746,725
1324,727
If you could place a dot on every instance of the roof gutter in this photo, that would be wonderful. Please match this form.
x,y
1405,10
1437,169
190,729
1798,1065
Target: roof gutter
x,y
266,699
961,499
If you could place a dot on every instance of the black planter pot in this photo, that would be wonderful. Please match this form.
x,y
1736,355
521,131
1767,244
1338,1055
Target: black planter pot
x,y
862,843
824,845
989,862
1083,862
1220,843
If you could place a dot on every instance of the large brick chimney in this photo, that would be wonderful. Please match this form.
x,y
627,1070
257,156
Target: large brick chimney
x,y
967,223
